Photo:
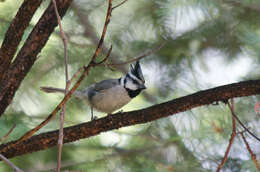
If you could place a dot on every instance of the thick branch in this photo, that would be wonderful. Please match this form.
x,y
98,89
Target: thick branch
x,y
118,120
28,53
91,64
15,32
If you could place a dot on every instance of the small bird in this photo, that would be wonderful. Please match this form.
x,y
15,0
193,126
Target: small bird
x,y
111,94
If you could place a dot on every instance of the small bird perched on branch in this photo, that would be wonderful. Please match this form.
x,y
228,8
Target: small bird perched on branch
x,y
111,94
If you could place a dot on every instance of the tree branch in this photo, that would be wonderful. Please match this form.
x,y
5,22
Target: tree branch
x,y
118,120
138,57
243,126
91,64
233,135
15,32
253,156
28,53
91,34
119,4
63,111
16,169
7,134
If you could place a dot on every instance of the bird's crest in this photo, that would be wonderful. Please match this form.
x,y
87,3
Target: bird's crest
x,y
137,71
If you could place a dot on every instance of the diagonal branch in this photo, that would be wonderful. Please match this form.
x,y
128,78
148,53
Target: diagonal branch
x,y
253,156
15,32
138,57
242,125
91,64
118,120
119,4
7,134
16,169
233,135
100,43
91,34
28,53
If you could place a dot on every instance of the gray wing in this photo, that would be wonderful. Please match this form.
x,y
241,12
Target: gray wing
x,y
105,84
98,87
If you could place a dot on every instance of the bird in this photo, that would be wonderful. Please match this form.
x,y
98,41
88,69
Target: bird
x,y
110,95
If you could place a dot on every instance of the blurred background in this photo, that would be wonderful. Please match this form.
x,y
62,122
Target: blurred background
x,y
208,44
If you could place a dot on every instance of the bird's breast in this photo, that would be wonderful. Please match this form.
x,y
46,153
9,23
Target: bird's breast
x,y
110,99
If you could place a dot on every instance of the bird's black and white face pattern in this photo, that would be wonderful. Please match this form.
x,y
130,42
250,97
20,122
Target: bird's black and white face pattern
x,y
134,81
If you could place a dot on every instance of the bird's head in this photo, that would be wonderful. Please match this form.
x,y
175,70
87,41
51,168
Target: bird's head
x,y
134,81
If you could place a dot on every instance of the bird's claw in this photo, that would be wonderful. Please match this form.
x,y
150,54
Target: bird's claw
x,y
94,118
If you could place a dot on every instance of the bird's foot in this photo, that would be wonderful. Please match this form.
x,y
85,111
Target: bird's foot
x,y
109,115
215,103
94,118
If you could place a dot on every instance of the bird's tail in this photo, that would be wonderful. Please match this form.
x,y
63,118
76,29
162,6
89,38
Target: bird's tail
x,y
52,90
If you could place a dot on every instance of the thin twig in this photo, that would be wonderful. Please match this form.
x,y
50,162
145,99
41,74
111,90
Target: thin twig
x,y
63,111
16,169
231,140
119,4
108,54
71,91
8,133
139,57
60,140
91,34
74,76
238,120
253,156
100,43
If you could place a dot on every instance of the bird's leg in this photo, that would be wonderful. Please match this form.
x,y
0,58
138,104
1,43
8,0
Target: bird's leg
x,y
91,108
109,115
91,113
92,116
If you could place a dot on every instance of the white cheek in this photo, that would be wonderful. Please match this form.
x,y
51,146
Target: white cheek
x,y
131,86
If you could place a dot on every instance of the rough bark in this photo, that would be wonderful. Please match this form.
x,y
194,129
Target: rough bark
x,y
118,120
15,32
28,53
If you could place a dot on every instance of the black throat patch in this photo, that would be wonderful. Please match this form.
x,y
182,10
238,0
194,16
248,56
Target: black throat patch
x,y
133,93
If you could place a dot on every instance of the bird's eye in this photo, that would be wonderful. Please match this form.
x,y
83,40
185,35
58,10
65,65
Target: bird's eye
x,y
135,82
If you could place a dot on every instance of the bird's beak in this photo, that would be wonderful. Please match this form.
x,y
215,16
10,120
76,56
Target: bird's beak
x,y
143,87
